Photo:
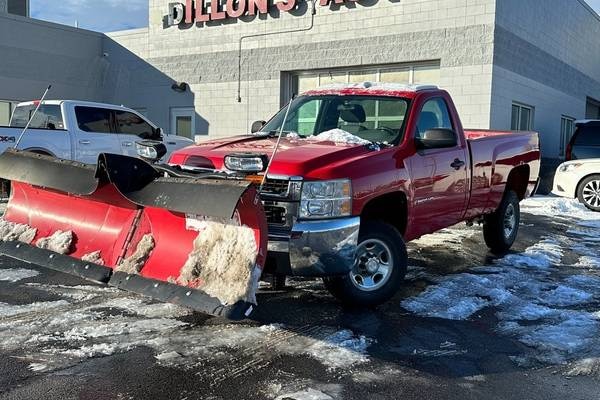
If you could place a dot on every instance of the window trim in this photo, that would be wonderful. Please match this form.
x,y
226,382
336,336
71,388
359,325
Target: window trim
x,y
565,137
521,106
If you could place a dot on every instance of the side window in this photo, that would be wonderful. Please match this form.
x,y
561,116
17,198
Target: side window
x,y
434,114
92,119
46,117
131,124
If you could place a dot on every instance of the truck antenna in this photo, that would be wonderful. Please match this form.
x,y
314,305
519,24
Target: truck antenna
x,y
264,179
32,115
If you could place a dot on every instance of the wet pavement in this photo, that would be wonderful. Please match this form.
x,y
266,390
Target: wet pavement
x,y
466,325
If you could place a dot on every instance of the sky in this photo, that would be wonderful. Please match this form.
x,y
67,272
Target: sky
x,y
110,15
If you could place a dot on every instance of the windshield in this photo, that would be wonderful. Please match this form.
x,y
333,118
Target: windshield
x,y
376,119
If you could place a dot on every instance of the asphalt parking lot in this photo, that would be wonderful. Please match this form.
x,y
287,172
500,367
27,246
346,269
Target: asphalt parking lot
x,y
465,326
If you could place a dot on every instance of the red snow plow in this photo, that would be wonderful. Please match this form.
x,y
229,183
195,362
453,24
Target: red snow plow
x,y
198,240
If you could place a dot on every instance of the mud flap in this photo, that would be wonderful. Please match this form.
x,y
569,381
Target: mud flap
x,y
117,207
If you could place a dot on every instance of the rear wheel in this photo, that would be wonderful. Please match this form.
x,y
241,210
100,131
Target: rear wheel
x,y
500,228
588,192
379,268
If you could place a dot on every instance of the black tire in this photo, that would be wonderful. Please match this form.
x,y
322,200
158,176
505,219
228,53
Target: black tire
x,y
347,289
497,233
588,192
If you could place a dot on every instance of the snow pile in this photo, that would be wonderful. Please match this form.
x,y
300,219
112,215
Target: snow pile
x,y
133,264
13,231
222,263
557,207
17,274
93,257
91,322
338,136
58,242
534,300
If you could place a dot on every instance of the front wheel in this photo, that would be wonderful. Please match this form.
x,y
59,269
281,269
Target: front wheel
x,y
588,192
501,227
378,270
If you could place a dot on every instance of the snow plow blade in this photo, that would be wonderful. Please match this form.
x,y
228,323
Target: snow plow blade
x,y
197,241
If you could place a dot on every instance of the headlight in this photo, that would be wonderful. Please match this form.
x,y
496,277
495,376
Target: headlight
x,y
245,162
568,167
325,199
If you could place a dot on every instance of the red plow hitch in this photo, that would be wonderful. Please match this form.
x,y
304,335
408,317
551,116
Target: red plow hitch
x,y
195,240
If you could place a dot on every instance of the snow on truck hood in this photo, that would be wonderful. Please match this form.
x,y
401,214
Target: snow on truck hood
x,y
295,156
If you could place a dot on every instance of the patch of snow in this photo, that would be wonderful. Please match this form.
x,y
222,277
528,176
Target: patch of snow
x,y
588,262
338,136
134,263
449,237
9,310
293,136
564,296
13,231
558,206
307,394
586,366
58,242
17,274
222,263
37,367
94,257
544,254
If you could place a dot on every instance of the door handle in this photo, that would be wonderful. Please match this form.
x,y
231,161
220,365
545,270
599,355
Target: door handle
x,y
457,164
127,144
84,142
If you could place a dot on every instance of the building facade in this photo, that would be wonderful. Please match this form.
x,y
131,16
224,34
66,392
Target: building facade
x,y
509,64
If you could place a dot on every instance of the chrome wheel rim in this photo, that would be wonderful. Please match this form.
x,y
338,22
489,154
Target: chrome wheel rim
x,y
373,265
510,221
591,193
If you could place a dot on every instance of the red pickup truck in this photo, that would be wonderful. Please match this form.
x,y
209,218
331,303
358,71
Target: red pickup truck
x,y
363,169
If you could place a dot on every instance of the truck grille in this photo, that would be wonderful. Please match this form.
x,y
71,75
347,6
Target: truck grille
x,y
276,187
275,215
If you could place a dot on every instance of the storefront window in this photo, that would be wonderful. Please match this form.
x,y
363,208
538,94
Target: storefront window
x,y
398,75
405,74
426,74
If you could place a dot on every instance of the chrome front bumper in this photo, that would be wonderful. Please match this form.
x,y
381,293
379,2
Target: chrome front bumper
x,y
317,248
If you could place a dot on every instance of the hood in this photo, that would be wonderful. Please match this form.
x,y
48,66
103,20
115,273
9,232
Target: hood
x,y
295,157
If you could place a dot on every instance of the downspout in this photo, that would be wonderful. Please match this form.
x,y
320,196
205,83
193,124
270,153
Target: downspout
x,y
313,11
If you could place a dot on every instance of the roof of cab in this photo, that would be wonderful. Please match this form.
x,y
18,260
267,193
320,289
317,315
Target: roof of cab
x,y
75,103
371,88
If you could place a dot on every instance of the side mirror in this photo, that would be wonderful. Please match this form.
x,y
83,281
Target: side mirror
x,y
437,138
257,126
151,150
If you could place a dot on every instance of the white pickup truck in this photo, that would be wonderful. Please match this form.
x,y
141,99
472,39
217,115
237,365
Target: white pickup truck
x,y
79,131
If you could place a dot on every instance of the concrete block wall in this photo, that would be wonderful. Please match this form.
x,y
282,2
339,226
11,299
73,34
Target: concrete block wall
x,y
36,54
458,33
552,69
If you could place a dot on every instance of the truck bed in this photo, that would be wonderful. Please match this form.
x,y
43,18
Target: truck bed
x,y
494,154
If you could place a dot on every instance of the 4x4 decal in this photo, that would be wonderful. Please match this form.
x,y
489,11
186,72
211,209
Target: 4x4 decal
x,y
11,139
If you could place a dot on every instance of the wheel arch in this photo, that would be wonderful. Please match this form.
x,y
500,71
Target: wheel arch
x,y
518,180
391,207
39,150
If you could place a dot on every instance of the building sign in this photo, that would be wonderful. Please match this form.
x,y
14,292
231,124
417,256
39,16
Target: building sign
x,y
197,11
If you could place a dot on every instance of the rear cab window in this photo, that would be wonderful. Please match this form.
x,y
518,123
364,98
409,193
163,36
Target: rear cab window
x,y
587,135
48,116
94,119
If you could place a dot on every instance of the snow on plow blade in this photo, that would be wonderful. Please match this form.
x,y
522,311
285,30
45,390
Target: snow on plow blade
x,y
199,242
